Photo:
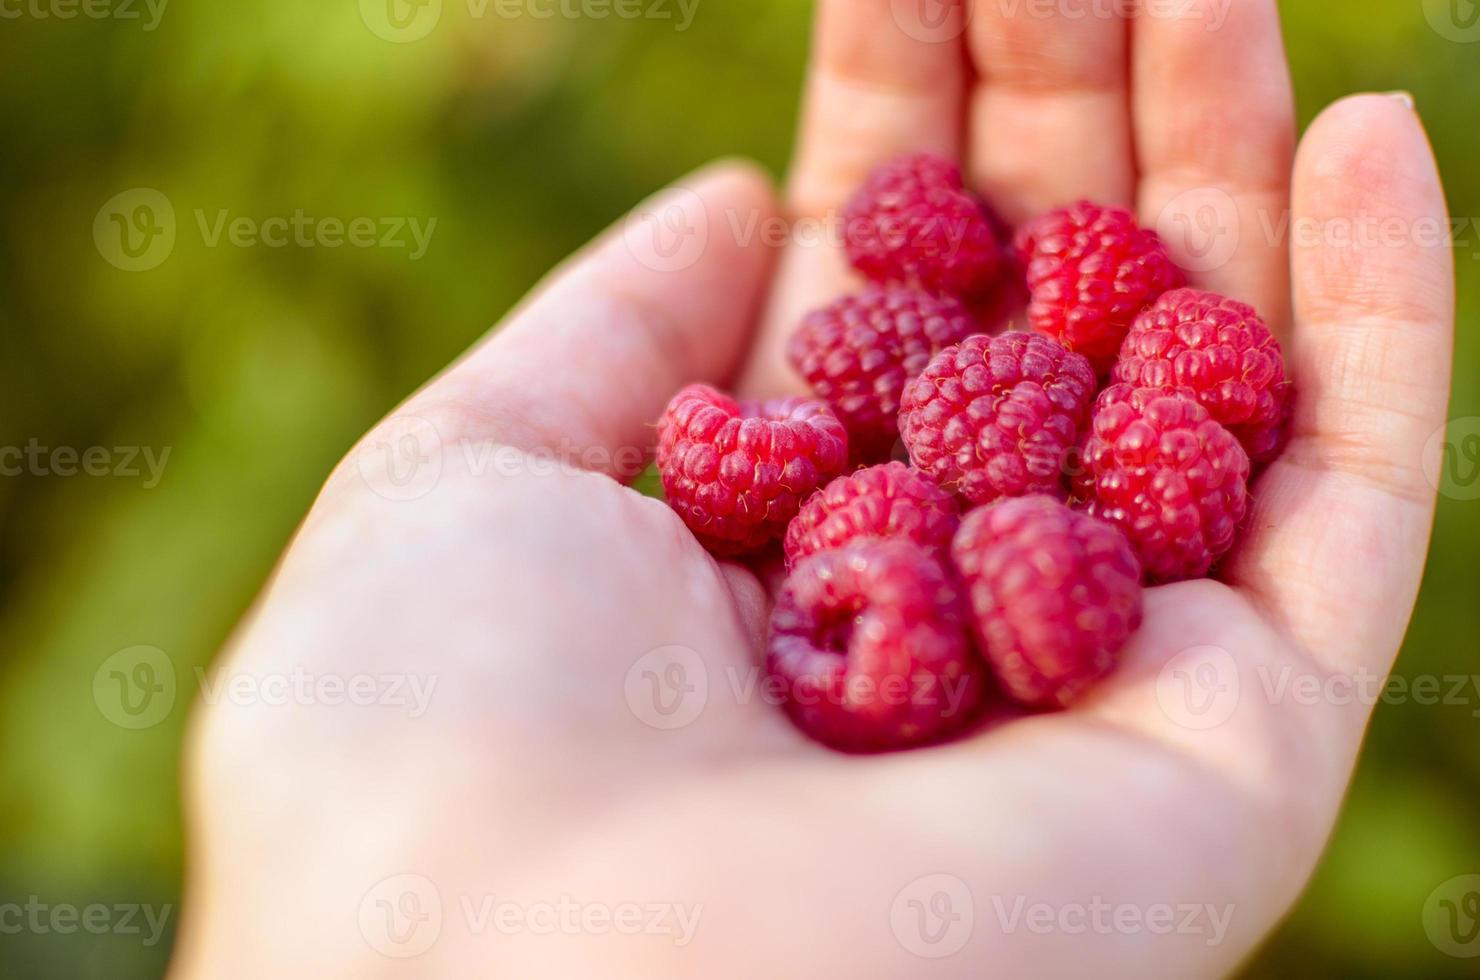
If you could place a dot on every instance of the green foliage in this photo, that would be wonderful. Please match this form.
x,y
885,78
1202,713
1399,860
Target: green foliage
x,y
256,367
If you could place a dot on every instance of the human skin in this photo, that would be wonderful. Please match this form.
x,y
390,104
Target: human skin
x,y
529,592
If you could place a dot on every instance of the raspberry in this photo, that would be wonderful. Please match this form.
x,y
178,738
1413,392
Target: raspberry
x,y
1090,270
858,353
913,221
1159,468
886,501
1220,352
870,648
737,472
996,416
1055,593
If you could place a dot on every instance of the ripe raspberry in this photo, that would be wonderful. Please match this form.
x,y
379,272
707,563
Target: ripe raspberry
x,y
869,644
1160,469
913,221
886,501
1220,352
1055,593
996,416
1090,270
858,353
737,472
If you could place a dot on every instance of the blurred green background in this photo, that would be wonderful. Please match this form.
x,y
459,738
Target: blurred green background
x,y
256,367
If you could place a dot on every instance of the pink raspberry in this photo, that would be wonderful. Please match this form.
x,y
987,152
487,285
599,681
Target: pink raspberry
x,y
1220,352
913,221
858,353
997,416
1160,469
737,472
886,501
1090,270
870,650
1055,593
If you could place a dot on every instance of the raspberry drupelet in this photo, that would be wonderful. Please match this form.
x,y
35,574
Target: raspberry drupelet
x,y
1219,351
1054,595
890,500
737,472
913,221
997,416
1090,270
869,648
1173,480
858,353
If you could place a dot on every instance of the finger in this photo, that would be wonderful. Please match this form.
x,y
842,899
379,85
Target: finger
x,y
585,365
887,77
1341,521
1050,115
1215,138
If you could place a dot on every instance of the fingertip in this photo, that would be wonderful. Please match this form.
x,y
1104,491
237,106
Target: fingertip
x,y
746,175
1374,225
1387,123
707,238
734,204
731,182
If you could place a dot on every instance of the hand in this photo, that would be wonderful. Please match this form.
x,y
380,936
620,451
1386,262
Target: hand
x,y
542,600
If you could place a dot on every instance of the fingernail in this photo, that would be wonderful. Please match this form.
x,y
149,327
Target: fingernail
x,y
1404,97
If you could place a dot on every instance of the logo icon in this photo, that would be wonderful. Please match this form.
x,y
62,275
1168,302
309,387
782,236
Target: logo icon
x,y
931,21
671,235
1199,687
401,916
135,688
1451,917
933,916
667,688
402,459
1201,226
135,230
401,21
1451,459
1454,20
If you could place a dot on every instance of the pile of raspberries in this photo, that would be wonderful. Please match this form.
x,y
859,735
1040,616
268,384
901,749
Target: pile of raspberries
x,y
1051,472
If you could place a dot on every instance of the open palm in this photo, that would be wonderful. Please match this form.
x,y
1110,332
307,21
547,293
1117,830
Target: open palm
x,y
598,733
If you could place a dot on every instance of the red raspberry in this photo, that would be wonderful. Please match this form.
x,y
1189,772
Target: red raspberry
x,y
886,501
996,416
1090,270
913,221
870,648
1056,594
858,353
1220,352
1160,469
737,472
